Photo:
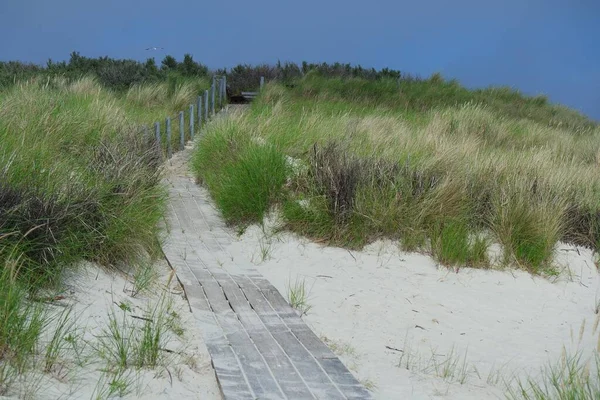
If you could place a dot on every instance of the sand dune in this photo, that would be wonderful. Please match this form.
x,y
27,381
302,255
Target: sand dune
x,y
460,334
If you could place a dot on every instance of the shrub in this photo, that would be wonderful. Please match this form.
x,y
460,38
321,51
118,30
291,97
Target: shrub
x,y
336,176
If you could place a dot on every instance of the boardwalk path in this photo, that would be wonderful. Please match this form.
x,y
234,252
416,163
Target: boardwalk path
x,y
260,348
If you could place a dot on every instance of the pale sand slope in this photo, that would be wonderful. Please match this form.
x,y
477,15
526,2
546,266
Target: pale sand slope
x,y
506,322
93,294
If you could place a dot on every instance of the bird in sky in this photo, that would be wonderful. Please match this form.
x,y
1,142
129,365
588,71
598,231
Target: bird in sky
x,y
155,48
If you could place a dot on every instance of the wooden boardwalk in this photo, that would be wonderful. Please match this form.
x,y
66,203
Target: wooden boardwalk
x,y
259,346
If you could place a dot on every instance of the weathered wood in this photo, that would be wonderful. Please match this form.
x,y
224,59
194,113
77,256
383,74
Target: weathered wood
x,y
260,379
253,364
344,380
157,137
181,131
315,377
212,96
260,347
262,82
168,128
223,91
191,122
231,379
249,95
219,92
206,106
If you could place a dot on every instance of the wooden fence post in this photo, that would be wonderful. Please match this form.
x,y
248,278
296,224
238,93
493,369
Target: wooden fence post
x,y
181,131
168,124
262,82
212,97
205,106
192,122
225,88
220,90
157,134
199,112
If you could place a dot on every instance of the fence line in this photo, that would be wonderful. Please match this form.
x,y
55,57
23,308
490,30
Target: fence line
x,y
212,97
181,131
168,128
191,122
197,117
206,106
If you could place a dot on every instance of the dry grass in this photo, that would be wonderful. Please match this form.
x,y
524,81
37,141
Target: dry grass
x,y
437,181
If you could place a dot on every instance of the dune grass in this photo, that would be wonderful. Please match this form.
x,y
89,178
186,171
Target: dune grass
x,y
21,324
439,169
245,176
571,378
79,181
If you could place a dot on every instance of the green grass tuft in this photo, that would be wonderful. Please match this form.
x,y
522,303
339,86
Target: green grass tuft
x,y
245,177
22,322
570,379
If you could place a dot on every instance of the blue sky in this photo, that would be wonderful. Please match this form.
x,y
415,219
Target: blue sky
x,y
538,46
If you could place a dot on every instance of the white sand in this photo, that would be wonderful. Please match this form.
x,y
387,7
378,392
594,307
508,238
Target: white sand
x,y
505,322
93,293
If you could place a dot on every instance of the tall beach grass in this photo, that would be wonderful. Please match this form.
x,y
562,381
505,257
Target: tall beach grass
x,y
79,181
445,177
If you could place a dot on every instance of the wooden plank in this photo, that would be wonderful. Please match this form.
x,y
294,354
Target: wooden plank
x,y
333,367
343,378
356,392
319,383
302,359
251,362
260,347
279,304
184,274
216,298
257,373
195,215
284,371
197,298
182,222
230,377
281,366
168,128
260,305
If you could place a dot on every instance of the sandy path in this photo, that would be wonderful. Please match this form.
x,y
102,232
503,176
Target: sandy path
x,y
398,319
185,371
370,301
